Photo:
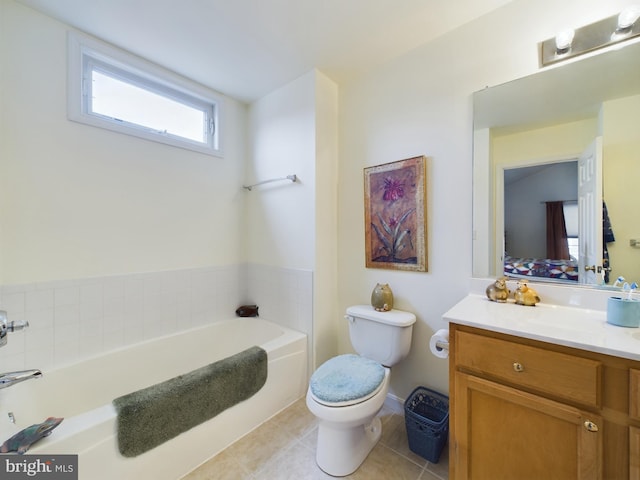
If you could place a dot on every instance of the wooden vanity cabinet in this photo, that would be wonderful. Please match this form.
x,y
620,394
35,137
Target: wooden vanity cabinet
x,y
634,431
524,409
634,453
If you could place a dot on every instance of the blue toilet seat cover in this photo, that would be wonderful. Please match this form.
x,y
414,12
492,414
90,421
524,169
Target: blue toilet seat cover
x,y
345,378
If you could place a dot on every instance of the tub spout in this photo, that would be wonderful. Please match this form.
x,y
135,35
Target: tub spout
x,y
11,378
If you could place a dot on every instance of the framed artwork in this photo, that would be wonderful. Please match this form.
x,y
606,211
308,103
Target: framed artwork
x,y
394,211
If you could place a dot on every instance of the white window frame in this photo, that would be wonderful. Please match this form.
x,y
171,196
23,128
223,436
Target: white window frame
x,y
86,52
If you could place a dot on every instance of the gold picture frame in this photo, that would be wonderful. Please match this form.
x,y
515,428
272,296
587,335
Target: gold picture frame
x,y
395,219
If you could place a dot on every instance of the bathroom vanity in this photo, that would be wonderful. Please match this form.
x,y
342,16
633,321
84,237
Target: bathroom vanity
x,y
550,391
544,392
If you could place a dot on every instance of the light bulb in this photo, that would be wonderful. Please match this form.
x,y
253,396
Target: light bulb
x,y
563,41
628,17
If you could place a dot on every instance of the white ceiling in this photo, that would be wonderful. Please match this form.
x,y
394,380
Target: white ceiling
x,y
248,48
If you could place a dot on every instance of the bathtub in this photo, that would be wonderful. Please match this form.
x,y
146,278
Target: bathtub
x,y
82,393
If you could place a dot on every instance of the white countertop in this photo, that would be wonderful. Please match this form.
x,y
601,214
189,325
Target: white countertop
x,y
576,327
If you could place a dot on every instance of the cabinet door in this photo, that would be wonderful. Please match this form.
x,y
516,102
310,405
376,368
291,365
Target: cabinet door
x,y
504,433
634,393
634,453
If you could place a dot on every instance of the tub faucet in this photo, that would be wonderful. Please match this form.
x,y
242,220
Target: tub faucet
x,y
6,327
11,378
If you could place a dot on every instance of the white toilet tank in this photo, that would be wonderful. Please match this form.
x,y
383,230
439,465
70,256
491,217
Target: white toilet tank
x,y
381,336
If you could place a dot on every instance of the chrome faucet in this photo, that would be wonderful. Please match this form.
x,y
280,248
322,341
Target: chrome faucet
x,y
6,327
11,378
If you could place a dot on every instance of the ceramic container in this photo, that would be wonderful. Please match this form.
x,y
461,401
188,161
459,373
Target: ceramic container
x,y
623,312
382,297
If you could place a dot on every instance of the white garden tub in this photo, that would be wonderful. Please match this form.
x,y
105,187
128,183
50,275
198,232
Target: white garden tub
x,y
82,393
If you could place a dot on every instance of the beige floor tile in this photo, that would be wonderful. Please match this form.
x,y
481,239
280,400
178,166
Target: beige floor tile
x,y
284,448
394,436
297,463
297,419
441,469
310,440
221,467
254,450
384,463
427,475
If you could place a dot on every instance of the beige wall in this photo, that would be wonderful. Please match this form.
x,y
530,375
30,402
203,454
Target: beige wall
x,y
79,201
551,143
293,130
325,287
621,145
280,223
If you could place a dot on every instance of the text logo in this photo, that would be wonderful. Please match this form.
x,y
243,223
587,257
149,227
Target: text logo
x,y
50,467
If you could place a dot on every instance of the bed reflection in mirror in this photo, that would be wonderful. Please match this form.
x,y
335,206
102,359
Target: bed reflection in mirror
x,y
541,221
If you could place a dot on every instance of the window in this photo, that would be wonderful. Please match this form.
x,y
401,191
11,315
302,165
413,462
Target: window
x,y
112,89
574,247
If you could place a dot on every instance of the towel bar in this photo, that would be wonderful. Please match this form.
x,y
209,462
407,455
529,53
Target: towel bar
x,y
293,178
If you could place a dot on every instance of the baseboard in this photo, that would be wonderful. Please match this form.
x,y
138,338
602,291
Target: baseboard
x,y
394,403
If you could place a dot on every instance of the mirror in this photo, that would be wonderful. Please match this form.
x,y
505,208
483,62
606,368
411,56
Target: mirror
x,y
581,111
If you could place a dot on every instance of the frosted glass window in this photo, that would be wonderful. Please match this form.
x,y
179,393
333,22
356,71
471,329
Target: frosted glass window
x,y
129,103
112,89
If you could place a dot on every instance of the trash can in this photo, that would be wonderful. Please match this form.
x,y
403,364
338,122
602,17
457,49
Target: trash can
x,y
426,415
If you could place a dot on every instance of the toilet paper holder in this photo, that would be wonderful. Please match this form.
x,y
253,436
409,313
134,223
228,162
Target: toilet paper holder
x,y
442,345
439,343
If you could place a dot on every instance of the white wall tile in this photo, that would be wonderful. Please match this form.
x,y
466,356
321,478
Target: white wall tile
x,y
113,340
134,285
36,358
91,291
69,295
113,287
90,346
90,311
75,319
16,345
13,302
113,306
39,299
66,352
13,361
66,334
39,319
133,330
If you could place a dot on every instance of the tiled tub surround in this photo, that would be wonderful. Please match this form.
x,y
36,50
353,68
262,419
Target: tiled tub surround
x,y
72,320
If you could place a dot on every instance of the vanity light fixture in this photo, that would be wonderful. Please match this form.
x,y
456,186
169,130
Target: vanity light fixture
x,y
603,33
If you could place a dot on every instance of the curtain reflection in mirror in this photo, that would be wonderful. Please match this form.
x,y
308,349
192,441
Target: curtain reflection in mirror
x,y
557,244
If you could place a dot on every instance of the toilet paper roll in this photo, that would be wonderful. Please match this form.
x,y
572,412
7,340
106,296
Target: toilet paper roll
x,y
439,343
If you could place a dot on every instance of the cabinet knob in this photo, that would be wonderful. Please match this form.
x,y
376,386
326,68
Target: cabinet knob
x,y
518,367
589,425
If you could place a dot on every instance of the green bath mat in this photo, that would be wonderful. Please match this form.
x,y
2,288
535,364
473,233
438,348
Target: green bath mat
x,y
153,415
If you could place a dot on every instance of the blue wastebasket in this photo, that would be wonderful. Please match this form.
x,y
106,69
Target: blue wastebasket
x,y
426,416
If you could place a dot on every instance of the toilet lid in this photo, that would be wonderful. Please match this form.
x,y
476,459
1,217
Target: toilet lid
x,y
346,378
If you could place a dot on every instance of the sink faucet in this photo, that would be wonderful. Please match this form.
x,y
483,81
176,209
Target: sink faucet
x,y
11,378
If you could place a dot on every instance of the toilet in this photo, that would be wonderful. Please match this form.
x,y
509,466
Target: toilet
x,y
347,392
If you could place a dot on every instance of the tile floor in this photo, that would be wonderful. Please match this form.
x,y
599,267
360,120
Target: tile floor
x,y
284,448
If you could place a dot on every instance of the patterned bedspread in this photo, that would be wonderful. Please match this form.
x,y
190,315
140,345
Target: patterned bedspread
x,y
541,267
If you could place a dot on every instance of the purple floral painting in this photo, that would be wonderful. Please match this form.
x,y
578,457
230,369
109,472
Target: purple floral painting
x,y
395,226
